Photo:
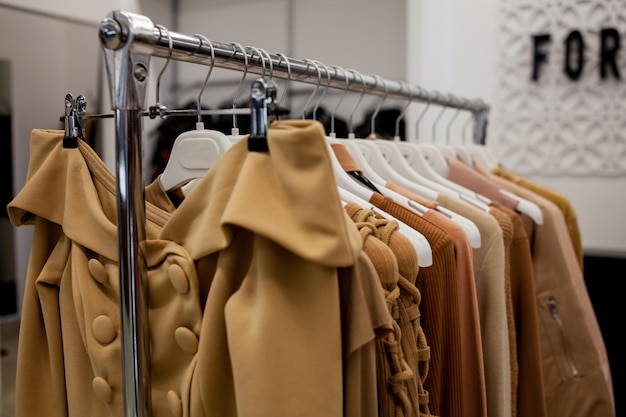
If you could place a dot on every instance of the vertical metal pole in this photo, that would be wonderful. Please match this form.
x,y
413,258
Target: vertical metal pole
x,y
480,127
290,22
175,86
133,291
127,41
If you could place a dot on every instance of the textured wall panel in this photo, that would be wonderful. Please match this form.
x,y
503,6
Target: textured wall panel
x,y
558,126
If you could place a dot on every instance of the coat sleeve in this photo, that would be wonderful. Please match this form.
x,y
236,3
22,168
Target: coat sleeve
x,y
40,376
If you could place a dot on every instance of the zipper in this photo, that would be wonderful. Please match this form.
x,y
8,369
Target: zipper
x,y
557,318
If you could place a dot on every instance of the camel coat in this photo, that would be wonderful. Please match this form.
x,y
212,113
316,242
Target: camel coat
x,y
244,313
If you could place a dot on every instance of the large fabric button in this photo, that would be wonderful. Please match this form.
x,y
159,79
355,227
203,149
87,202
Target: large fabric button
x,y
186,339
102,389
179,279
104,329
174,404
97,271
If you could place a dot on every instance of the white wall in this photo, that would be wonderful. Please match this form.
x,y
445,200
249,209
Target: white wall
x,y
453,46
91,11
450,50
368,36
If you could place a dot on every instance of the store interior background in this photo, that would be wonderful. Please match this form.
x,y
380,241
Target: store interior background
x,y
567,134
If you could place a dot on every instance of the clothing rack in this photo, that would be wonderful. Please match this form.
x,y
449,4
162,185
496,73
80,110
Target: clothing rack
x,y
129,41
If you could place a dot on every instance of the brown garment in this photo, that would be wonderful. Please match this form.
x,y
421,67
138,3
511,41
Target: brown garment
x,y
155,194
470,321
444,381
530,393
473,372
364,318
468,177
439,313
392,370
413,343
558,198
506,225
574,357
271,321
489,262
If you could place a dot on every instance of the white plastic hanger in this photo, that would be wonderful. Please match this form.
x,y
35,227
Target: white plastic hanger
x,y
386,157
482,156
262,95
462,153
376,168
420,169
429,161
193,153
470,228
351,190
420,243
399,154
434,155
414,206
196,151
444,149
418,161
523,205
371,155
375,164
454,150
485,157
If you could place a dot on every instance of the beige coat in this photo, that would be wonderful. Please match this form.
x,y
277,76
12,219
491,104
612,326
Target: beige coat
x,y
264,232
577,379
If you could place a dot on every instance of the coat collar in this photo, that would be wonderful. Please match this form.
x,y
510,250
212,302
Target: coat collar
x,y
287,195
73,188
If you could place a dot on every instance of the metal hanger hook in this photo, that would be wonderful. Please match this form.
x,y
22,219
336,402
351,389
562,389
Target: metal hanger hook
x,y
283,57
419,118
158,106
323,92
454,116
257,51
206,79
354,73
319,81
245,72
436,121
406,107
332,115
380,105
469,119
269,60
